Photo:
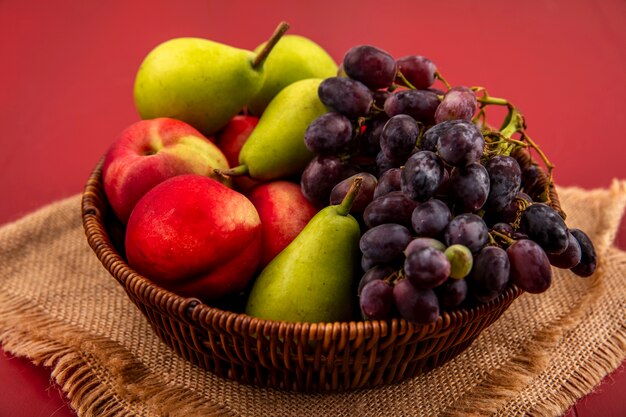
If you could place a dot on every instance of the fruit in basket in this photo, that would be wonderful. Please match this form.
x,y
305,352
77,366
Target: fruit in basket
x,y
294,58
418,70
545,226
370,65
459,103
276,149
195,236
346,96
284,212
150,151
441,174
312,279
530,267
201,82
231,139
588,258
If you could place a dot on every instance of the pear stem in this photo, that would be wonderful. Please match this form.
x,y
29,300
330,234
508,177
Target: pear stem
x,y
344,208
262,56
237,171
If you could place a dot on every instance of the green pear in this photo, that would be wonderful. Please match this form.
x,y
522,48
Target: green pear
x,y
275,148
311,280
293,58
198,81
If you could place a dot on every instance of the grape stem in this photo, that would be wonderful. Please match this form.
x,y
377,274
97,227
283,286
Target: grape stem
x,y
395,277
502,236
443,80
514,123
406,82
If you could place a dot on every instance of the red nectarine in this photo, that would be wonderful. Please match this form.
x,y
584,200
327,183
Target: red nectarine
x,y
195,236
151,151
284,211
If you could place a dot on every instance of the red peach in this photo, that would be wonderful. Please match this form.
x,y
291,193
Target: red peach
x,y
149,152
284,211
231,139
195,236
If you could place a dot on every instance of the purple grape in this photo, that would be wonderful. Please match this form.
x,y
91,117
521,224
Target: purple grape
x,y
429,141
378,272
519,235
530,266
504,228
490,274
367,263
370,65
510,213
459,142
588,259
380,96
505,177
415,304
424,242
469,187
467,230
346,96
385,243
376,300
459,103
570,257
430,219
419,104
383,164
530,177
546,227
451,293
389,181
444,187
418,70
363,197
394,207
426,267
398,137
329,133
319,178
422,175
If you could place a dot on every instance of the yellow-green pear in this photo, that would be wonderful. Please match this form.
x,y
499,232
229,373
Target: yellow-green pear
x,y
311,280
201,82
293,58
275,148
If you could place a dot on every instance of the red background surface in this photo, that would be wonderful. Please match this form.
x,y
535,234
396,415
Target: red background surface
x,y
67,70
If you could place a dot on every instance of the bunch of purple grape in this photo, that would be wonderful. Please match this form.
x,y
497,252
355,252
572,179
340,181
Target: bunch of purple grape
x,y
446,223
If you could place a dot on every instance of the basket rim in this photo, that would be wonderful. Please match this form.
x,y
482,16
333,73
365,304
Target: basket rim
x,y
194,311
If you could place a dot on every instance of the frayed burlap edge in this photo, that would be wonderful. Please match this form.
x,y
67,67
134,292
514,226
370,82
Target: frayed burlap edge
x,y
503,383
127,385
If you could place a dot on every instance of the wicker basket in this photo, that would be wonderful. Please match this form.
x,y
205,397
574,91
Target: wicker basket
x,y
292,356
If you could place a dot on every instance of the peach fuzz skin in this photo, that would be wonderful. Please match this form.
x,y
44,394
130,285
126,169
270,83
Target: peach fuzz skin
x,y
149,152
231,139
195,237
284,211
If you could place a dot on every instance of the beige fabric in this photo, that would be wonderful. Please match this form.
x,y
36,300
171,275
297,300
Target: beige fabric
x,y
60,307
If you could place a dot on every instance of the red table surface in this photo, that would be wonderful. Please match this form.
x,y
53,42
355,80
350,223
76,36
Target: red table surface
x,y
67,71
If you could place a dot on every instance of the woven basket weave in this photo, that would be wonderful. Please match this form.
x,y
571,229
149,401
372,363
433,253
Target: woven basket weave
x,y
292,356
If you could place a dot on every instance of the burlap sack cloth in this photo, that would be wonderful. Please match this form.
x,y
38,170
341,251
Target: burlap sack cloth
x,y
60,308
